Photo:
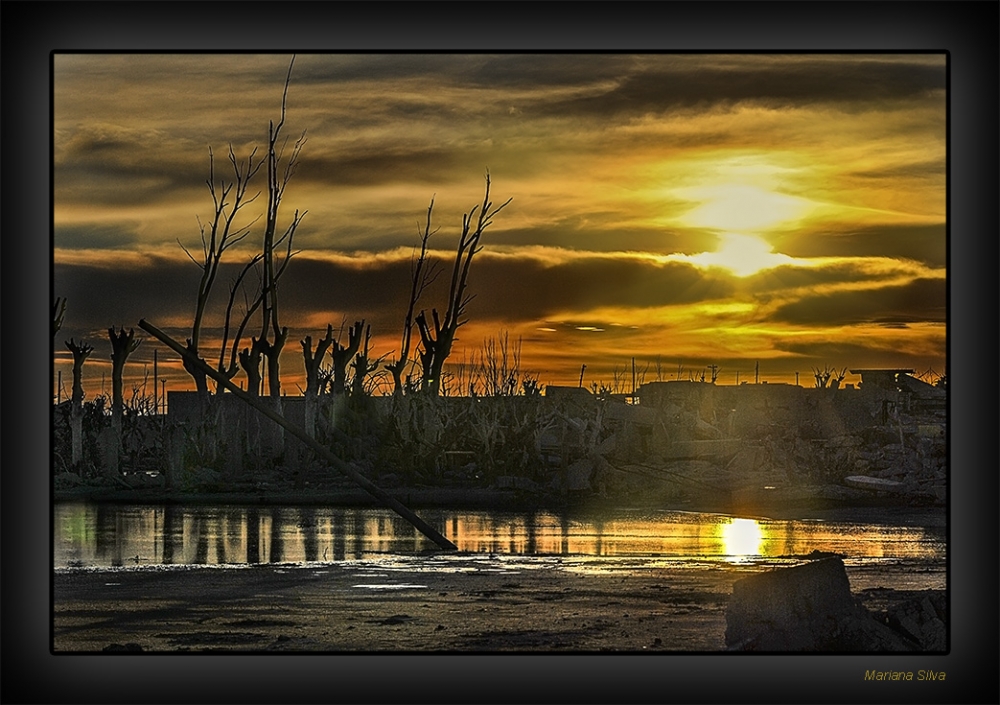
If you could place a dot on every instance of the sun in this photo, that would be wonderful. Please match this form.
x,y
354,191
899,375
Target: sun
x,y
737,207
741,254
740,214
741,199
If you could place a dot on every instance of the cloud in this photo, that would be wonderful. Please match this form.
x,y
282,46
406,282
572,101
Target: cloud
x,y
115,165
865,353
923,243
919,300
102,292
673,82
97,235
816,275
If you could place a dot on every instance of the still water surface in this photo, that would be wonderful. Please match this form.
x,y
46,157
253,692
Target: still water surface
x,y
102,536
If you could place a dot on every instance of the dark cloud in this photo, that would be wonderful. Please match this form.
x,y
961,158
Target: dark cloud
x,y
920,300
337,69
685,82
110,235
398,163
378,293
507,289
923,243
554,71
788,277
101,295
531,290
102,165
930,170
852,355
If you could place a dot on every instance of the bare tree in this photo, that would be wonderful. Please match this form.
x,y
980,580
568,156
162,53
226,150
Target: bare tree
x,y
342,356
278,176
58,314
238,285
422,275
363,365
437,343
499,366
122,345
228,199
80,352
314,377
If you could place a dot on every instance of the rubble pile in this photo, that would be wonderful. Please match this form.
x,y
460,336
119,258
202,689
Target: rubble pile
x,y
922,619
770,443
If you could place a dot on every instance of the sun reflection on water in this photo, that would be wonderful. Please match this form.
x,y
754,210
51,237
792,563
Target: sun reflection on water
x,y
741,538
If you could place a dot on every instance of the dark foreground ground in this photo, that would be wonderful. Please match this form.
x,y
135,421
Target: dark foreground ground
x,y
435,602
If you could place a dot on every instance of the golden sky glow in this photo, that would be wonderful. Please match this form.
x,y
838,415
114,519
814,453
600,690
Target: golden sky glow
x,y
684,210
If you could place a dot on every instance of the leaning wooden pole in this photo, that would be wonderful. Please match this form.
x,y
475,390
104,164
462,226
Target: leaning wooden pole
x,y
342,466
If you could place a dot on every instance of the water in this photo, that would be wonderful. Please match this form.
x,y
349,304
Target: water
x,y
88,535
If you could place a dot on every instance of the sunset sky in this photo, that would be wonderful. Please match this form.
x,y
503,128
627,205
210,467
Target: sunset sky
x,y
690,210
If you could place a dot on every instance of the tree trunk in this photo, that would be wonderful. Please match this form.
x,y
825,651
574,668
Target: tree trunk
x,y
313,362
80,354
122,345
342,357
250,362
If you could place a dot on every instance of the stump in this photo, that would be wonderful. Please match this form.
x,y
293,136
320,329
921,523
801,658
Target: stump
x,y
805,608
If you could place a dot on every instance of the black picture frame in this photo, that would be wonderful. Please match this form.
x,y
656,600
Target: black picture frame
x,y
966,30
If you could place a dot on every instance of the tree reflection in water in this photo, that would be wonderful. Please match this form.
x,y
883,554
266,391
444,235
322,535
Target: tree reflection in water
x,y
115,535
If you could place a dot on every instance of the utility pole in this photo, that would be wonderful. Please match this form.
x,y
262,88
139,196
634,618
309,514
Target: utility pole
x,y
156,382
582,369
756,372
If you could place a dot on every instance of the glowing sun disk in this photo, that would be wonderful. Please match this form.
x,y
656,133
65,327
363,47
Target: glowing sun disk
x,y
742,207
741,254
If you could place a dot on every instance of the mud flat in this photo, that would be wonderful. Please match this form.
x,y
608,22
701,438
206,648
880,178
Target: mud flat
x,y
434,602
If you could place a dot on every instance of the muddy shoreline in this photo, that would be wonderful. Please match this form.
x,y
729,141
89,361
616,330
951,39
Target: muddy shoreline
x,y
438,603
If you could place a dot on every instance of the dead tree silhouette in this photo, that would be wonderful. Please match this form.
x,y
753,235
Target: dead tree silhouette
x,y
422,275
342,356
122,345
219,236
278,176
363,365
437,343
80,352
58,314
314,379
229,199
